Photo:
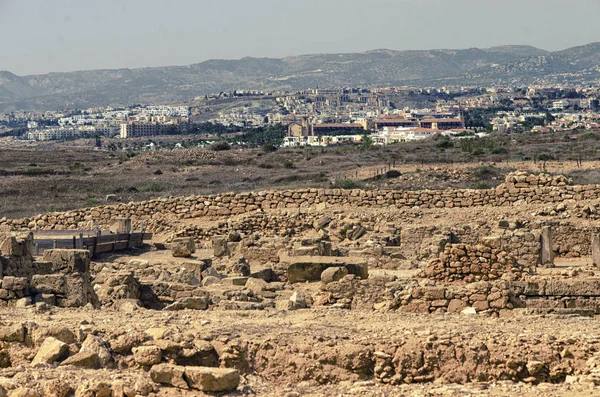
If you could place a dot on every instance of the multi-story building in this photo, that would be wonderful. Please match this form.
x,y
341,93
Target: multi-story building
x,y
442,124
135,130
326,129
52,134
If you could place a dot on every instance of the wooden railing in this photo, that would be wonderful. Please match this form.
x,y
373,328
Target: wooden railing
x,y
95,242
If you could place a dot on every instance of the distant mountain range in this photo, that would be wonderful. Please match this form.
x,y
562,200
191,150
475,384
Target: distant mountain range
x,y
504,65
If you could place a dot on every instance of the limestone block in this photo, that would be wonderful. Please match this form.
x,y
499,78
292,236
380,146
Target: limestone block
x,y
169,374
547,255
50,351
220,248
596,248
68,261
83,360
48,284
14,283
183,248
120,226
309,268
209,379
147,355
192,302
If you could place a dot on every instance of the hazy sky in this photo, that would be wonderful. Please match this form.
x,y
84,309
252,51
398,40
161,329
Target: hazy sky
x,y
39,36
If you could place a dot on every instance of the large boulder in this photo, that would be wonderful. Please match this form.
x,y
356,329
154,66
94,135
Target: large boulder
x,y
56,388
94,344
13,333
17,254
239,267
220,247
256,285
78,291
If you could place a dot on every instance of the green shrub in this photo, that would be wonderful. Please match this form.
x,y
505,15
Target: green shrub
x,y
151,187
484,172
269,148
348,184
499,150
158,172
320,177
91,202
220,146
392,174
289,164
544,156
444,143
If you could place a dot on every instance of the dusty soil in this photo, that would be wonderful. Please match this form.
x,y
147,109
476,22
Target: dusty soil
x,y
301,353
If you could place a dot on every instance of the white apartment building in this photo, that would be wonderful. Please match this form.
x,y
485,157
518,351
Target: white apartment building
x,y
52,134
135,130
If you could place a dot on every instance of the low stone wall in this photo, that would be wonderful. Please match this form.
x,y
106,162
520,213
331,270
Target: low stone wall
x,y
571,241
481,296
467,263
496,297
522,179
154,211
523,244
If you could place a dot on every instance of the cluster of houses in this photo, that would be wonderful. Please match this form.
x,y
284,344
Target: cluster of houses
x,y
384,130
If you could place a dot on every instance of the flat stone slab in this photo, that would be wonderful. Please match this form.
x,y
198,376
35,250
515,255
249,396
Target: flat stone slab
x,y
572,287
557,287
309,268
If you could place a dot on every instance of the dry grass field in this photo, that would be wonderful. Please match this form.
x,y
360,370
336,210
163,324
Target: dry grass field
x,y
44,177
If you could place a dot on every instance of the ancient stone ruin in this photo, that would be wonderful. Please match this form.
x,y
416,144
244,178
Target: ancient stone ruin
x,y
241,291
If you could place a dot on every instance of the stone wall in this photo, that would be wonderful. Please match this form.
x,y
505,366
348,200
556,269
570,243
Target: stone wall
x,y
523,244
511,252
467,263
571,241
522,179
61,278
500,297
153,212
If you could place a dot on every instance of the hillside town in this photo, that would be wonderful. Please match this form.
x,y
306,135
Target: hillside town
x,y
330,116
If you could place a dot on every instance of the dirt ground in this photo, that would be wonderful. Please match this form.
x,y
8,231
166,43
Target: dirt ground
x,y
305,335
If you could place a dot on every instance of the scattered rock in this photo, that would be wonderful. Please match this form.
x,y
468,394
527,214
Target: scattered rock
x,y
469,311
183,248
169,374
84,359
50,351
147,355
332,274
194,303
212,379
